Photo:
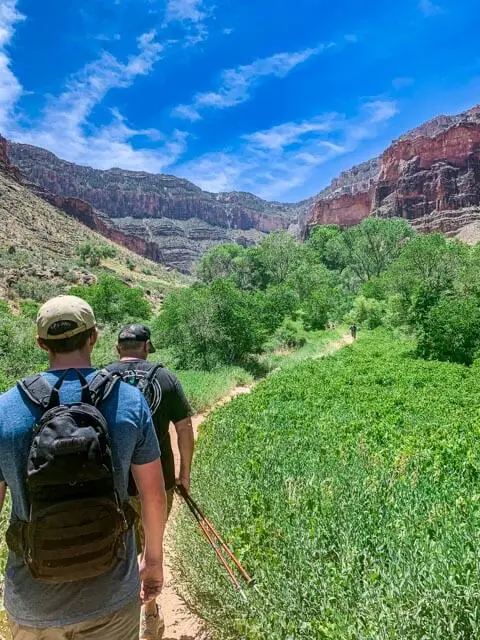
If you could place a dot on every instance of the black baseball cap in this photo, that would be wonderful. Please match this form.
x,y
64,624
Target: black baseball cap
x,y
138,333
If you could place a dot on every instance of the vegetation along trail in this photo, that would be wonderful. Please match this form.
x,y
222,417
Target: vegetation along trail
x,y
181,622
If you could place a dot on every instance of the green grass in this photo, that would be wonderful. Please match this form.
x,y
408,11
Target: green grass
x,y
205,388
349,487
317,343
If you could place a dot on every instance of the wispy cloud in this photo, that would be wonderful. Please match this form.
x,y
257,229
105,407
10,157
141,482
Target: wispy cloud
x,y
238,84
105,37
64,126
10,87
274,161
429,8
191,14
185,10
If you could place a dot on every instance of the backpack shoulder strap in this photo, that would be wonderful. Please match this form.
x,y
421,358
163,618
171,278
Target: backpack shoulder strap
x,y
37,390
151,373
103,384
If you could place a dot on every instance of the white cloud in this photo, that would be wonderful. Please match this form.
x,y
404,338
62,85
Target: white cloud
x,y
185,10
284,135
191,15
274,161
429,8
10,87
186,112
237,84
64,125
228,31
351,37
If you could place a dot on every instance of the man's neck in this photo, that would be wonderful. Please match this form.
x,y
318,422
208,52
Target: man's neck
x,y
74,360
131,357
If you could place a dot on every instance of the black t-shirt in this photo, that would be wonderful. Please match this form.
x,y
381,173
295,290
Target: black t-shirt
x,y
168,404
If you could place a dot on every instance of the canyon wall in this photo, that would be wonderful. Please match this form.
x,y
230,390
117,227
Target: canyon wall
x,y
164,218
430,176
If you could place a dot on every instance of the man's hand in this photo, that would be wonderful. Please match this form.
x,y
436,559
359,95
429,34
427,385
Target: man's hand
x,y
184,481
151,576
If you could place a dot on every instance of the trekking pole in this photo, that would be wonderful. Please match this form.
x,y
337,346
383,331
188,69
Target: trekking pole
x,y
209,530
248,579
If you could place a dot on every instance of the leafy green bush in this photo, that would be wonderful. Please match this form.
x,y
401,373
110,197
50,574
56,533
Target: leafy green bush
x,y
209,326
29,288
450,331
290,335
219,262
114,301
19,354
274,304
348,486
92,254
368,312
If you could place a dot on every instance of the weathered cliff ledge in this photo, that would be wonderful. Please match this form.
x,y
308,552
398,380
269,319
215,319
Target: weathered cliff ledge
x,y
162,217
427,176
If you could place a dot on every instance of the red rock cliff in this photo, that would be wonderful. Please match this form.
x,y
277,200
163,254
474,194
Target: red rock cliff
x,y
430,176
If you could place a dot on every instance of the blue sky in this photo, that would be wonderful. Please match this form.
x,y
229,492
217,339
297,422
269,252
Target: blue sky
x,y
269,96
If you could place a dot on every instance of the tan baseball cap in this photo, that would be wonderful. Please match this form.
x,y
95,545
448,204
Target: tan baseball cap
x,y
63,317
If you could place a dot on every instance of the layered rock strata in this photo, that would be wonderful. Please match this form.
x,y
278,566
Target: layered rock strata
x,y
430,176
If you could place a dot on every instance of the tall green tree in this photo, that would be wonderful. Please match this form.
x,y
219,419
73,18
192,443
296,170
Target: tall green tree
x,y
366,250
219,262
319,242
210,325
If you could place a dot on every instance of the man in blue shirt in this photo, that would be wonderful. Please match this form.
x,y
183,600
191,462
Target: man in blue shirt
x,y
106,607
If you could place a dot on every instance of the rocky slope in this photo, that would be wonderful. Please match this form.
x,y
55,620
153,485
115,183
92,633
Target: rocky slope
x,y
430,176
38,244
167,219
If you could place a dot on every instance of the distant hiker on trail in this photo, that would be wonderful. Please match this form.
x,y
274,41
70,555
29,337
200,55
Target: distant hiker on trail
x,y
68,439
353,331
168,403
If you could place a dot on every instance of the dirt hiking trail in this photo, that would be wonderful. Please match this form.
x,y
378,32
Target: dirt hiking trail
x,y
180,622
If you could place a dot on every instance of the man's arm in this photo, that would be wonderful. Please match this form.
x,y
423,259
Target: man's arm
x,y
151,489
3,491
186,443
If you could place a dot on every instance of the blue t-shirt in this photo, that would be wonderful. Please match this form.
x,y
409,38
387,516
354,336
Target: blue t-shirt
x,y
35,603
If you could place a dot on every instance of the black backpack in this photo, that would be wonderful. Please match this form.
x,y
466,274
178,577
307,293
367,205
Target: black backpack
x,y
77,524
143,379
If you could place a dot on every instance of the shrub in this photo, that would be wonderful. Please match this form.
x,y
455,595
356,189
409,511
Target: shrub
x,y
19,353
113,301
92,254
367,312
218,262
35,289
273,305
450,331
290,335
208,326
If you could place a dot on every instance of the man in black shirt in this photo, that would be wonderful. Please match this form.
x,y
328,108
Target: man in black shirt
x,y
168,403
